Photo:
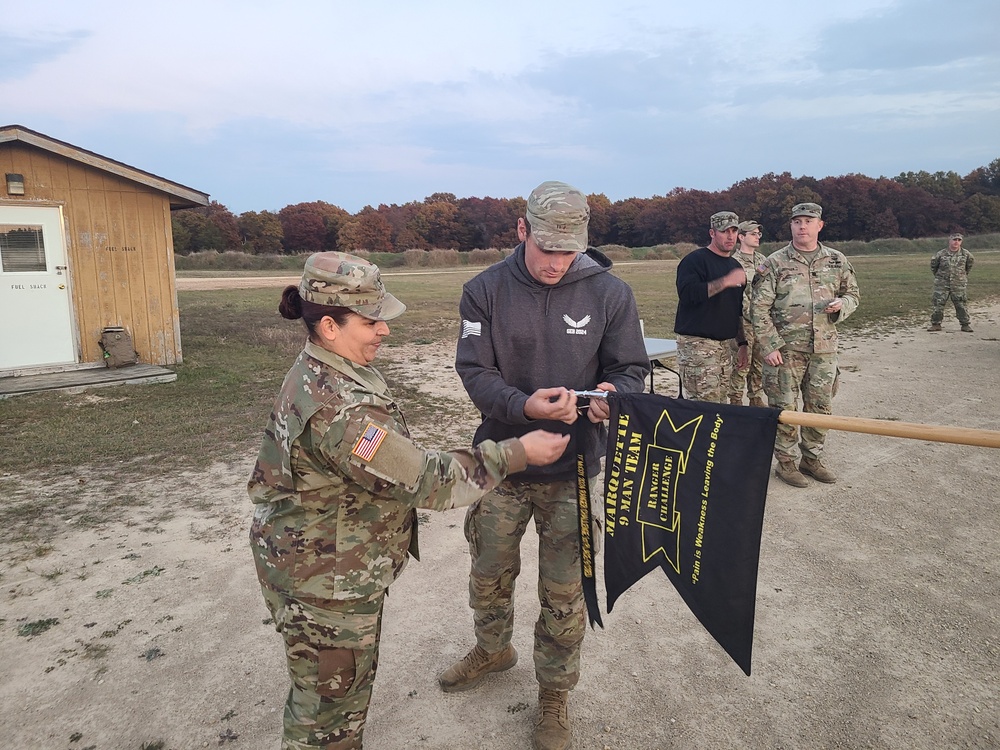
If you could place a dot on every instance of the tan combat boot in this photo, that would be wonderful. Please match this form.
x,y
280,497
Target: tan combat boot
x,y
552,731
470,671
934,327
788,474
757,401
966,327
815,468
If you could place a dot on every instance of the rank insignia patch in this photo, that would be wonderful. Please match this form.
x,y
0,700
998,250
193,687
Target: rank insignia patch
x,y
369,442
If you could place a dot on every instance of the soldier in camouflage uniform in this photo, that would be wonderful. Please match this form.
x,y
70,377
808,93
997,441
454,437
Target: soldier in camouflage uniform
x,y
750,376
335,489
548,319
951,268
709,320
800,294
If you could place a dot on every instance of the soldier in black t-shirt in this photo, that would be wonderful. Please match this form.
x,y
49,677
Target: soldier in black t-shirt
x,y
710,313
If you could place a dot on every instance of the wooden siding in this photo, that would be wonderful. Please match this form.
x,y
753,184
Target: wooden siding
x,y
119,250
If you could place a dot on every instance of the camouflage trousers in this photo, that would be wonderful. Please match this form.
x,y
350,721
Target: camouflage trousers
x,y
706,368
958,298
332,655
814,378
494,526
750,377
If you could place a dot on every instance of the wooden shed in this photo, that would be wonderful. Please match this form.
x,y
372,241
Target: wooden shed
x,y
85,246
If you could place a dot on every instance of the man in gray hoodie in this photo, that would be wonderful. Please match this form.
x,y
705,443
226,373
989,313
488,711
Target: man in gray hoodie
x,y
544,322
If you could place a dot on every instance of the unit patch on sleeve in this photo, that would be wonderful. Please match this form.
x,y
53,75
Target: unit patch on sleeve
x,y
368,444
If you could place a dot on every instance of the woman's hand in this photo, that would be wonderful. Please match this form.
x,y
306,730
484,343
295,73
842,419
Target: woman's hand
x,y
542,447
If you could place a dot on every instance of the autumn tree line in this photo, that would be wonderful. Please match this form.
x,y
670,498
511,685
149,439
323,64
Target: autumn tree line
x,y
855,207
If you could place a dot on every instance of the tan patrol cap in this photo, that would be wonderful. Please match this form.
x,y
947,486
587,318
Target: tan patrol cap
x,y
558,214
807,209
748,226
342,280
956,236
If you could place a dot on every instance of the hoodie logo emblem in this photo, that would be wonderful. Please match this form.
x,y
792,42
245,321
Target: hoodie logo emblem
x,y
577,326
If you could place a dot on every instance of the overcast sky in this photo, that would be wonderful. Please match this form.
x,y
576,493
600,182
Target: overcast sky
x,y
264,104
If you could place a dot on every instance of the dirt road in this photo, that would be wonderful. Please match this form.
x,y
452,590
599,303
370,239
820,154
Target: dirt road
x,y
878,619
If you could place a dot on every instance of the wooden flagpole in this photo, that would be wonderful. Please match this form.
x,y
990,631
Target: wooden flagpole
x,y
934,433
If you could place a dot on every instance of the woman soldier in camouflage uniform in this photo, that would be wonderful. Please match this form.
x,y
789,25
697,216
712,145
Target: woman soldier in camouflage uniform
x,y
335,488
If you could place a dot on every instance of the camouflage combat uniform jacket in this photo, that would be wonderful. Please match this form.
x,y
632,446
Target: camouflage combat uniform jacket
x,y
789,294
337,481
750,264
951,271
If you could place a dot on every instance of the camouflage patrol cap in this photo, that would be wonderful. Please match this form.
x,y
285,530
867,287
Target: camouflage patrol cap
x,y
723,220
558,214
342,280
807,209
956,236
748,226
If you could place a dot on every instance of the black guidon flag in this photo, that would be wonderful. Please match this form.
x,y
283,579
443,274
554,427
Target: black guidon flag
x,y
684,486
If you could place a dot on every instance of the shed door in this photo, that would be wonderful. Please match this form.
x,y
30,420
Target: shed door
x,y
36,324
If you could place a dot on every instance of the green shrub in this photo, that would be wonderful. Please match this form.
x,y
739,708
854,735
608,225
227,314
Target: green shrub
x,y
383,260
897,245
981,242
211,260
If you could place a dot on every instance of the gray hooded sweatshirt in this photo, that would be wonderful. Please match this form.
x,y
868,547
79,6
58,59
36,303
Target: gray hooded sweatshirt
x,y
519,335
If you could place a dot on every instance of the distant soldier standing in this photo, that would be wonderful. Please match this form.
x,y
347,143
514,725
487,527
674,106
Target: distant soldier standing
x,y
951,268
800,293
709,319
750,376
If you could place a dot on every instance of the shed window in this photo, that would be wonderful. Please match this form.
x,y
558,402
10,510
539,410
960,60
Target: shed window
x,y
22,248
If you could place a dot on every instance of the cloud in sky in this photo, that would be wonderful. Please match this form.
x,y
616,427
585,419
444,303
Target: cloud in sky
x,y
264,105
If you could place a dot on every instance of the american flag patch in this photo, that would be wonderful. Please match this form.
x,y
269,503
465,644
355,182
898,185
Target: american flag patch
x,y
369,442
471,329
